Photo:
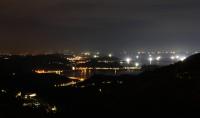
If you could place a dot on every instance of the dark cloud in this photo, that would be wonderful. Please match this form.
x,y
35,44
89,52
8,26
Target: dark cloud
x,y
39,25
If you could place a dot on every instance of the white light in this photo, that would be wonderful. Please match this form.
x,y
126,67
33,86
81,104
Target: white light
x,y
172,57
33,95
137,57
182,58
177,57
87,53
73,68
128,60
150,60
3,91
95,56
137,64
110,55
19,94
100,90
54,108
158,58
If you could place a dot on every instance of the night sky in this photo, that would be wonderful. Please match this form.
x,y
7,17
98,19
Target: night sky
x,y
99,25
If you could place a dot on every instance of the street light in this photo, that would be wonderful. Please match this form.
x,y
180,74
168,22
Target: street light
x,y
110,55
137,64
128,60
177,56
182,58
172,57
158,58
150,60
95,56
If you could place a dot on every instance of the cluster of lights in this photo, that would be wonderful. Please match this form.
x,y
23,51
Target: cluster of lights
x,y
65,84
178,58
31,100
158,58
29,96
158,52
49,71
182,58
97,68
87,54
75,58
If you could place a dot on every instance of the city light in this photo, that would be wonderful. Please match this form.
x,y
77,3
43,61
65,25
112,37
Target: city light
x,y
33,95
95,56
137,64
65,84
110,55
74,58
177,56
128,60
182,58
19,94
100,90
87,54
49,71
158,58
3,91
54,108
150,60
172,57
88,58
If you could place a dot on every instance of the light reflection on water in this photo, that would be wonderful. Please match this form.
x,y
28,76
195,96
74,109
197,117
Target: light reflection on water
x,y
88,73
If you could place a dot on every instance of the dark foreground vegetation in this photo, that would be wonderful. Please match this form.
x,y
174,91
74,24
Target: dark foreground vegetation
x,y
167,90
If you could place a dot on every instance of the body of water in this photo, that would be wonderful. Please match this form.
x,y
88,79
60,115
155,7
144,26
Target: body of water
x,y
85,74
